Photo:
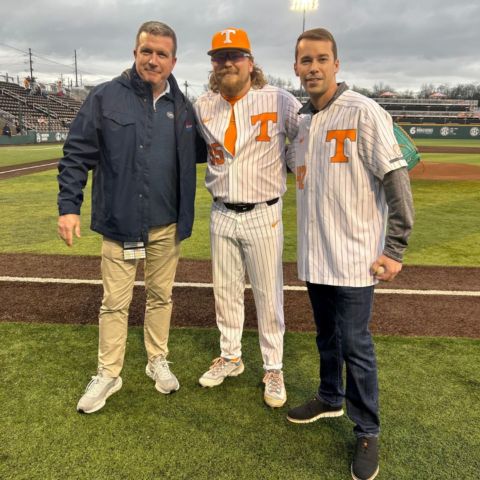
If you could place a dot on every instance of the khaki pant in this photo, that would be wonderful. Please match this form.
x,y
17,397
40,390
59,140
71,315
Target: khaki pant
x,y
118,277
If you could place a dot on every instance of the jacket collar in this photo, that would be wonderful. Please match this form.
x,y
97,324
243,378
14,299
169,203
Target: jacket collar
x,y
309,108
131,79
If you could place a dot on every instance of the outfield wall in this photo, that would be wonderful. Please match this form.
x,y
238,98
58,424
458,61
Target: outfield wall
x,y
424,130
49,137
17,139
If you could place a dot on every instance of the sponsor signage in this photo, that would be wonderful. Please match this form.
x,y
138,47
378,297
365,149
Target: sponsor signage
x,y
442,131
51,137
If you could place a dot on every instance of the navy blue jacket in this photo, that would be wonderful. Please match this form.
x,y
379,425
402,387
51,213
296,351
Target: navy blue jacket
x,y
110,136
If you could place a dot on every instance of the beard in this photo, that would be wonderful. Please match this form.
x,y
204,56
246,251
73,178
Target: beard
x,y
231,83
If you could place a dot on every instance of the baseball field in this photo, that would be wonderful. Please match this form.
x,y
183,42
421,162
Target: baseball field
x,y
426,326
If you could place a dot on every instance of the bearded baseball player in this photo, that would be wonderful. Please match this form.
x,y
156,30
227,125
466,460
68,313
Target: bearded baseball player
x,y
245,123
355,214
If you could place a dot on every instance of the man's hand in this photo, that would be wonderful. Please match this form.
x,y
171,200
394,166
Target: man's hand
x,y
67,225
385,268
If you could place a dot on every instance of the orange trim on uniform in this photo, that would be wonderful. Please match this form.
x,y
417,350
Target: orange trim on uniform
x,y
231,132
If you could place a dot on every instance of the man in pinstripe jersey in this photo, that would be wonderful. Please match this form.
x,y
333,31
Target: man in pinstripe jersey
x,y
245,124
355,214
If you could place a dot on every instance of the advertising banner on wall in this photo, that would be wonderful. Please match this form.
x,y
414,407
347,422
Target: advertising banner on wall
x,y
442,131
51,137
32,137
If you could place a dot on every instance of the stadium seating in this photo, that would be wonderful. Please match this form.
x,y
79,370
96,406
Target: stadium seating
x,y
431,110
57,112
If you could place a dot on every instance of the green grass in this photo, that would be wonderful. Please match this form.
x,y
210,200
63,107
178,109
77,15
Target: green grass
x,y
29,153
447,142
29,221
446,230
429,404
467,158
16,155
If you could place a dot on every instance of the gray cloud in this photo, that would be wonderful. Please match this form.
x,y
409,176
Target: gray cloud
x,y
402,43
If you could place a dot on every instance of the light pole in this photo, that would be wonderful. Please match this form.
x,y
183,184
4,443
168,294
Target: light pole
x,y
303,6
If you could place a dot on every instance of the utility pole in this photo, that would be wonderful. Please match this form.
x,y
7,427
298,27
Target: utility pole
x,y
76,71
186,88
31,63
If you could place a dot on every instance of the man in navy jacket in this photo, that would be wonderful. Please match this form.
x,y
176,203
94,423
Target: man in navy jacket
x,y
138,135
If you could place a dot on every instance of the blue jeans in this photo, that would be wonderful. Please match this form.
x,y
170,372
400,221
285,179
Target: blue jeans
x,y
342,316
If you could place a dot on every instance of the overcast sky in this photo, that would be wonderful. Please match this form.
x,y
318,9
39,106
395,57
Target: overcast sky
x,y
401,43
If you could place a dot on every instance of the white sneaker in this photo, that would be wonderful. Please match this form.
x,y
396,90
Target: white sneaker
x,y
98,390
275,394
158,370
219,370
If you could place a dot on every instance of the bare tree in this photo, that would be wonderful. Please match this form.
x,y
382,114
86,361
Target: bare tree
x,y
363,91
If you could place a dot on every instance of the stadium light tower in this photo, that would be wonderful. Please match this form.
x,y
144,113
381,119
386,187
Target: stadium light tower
x,y
303,6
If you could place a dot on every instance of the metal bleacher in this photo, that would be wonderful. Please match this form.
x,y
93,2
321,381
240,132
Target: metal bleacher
x,y
431,110
55,113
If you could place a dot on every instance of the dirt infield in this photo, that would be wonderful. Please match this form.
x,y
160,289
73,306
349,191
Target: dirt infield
x,y
394,314
445,149
444,171
27,168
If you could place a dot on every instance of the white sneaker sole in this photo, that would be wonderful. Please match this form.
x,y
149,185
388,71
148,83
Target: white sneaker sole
x,y
212,382
336,413
159,389
369,478
274,402
116,387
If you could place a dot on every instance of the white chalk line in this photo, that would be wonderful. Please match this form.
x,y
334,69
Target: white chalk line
x,y
31,148
390,291
29,168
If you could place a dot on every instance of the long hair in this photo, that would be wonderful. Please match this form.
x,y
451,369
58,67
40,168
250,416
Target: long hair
x,y
257,77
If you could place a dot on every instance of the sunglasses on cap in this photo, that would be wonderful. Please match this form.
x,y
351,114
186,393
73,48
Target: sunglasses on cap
x,y
221,57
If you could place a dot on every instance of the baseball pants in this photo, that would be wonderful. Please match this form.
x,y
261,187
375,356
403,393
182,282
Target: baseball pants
x,y
118,275
252,242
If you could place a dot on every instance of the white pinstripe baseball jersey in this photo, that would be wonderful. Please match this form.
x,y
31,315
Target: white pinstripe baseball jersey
x,y
264,118
342,154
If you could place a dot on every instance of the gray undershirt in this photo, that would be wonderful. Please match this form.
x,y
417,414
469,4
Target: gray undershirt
x,y
400,212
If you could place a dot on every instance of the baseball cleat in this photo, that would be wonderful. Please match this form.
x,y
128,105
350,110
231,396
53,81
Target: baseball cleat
x,y
219,370
275,394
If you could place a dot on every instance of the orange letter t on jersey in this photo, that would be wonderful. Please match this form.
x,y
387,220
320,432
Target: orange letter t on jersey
x,y
263,118
340,136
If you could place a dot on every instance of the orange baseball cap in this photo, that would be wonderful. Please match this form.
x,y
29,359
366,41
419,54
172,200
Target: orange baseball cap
x,y
230,38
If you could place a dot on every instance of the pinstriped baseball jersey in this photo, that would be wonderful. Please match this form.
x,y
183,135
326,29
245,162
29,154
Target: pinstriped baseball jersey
x,y
264,118
342,155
